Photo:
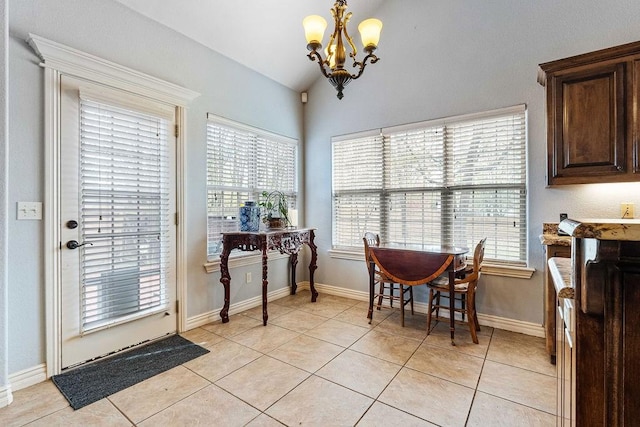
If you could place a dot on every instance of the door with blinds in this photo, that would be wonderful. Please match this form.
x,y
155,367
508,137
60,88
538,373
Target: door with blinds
x,y
117,207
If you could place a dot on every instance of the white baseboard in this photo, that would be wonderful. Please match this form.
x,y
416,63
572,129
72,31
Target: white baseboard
x,y
512,325
5,396
337,291
20,380
504,323
212,316
28,377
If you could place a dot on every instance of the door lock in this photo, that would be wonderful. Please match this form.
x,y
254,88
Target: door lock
x,y
73,244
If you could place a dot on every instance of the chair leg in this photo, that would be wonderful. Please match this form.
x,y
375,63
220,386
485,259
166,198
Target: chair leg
x,y
462,305
401,305
471,316
472,304
411,296
392,291
381,293
430,311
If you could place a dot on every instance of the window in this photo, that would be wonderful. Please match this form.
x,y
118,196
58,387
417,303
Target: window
x,y
125,158
242,162
448,181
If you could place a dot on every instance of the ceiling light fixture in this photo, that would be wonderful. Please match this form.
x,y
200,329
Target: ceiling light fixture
x,y
332,66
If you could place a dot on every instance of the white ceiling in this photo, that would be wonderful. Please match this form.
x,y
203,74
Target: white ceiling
x,y
264,35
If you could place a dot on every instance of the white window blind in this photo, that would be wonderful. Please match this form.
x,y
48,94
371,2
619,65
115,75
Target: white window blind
x,y
125,209
414,180
448,181
242,162
487,184
357,196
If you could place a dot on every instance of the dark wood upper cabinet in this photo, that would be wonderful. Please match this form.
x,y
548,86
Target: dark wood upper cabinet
x,y
636,117
592,116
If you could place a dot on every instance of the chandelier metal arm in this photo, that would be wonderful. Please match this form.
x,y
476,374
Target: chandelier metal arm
x,y
354,50
315,55
332,38
363,64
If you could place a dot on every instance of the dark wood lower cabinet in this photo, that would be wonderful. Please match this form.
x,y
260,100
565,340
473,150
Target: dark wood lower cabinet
x,y
605,375
553,251
564,366
564,323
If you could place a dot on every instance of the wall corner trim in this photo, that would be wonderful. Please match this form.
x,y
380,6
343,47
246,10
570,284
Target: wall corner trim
x,y
5,396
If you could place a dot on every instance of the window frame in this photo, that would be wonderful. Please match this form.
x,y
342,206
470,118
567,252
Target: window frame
x,y
512,268
255,181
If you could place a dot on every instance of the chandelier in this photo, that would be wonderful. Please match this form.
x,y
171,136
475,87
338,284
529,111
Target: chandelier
x,y
332,67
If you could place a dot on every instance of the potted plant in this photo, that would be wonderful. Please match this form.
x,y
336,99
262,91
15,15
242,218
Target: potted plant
x,y
276,209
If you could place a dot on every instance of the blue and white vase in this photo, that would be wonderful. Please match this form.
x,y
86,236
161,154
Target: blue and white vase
x,y
249,217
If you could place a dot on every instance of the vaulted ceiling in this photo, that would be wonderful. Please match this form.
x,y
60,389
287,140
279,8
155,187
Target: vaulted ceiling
x,y
264,35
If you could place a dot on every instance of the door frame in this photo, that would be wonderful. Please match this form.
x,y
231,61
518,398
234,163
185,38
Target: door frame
x,y
58,59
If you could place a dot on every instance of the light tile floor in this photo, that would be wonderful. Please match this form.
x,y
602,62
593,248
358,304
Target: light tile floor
x,y
322,364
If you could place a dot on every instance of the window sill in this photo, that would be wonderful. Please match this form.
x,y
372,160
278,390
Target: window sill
x,y
505,270
241,260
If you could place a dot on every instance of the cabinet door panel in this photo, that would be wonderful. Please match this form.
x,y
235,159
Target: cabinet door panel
x,y
636,119
631,340
560,364
589,114
586,117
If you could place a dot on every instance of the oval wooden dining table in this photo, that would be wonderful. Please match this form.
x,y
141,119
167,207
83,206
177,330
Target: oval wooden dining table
x,y
417,265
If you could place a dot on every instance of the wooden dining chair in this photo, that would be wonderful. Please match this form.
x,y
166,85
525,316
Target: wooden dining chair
x,y
464,294
386,287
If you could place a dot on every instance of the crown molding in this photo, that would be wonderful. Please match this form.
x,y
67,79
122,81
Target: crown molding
x,y
67,60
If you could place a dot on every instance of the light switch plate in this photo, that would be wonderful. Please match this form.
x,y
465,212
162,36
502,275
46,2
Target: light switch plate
x,y
626,210
29,210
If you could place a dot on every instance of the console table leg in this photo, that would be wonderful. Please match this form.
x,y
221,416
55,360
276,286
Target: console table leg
x,y
265,283
225,279
313,266
293,259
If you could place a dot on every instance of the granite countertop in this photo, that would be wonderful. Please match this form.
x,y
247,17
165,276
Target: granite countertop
x,y
550,236
602,229
560,269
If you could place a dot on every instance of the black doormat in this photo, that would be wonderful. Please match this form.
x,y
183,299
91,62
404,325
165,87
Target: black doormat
x,y
90,383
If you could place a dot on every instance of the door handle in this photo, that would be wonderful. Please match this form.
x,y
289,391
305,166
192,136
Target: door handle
x,y
73,244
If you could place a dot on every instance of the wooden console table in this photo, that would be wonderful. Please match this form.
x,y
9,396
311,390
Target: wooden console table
x,y
286,241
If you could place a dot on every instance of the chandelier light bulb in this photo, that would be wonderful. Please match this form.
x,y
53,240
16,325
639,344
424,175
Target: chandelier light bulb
x,y
314,26
370,33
